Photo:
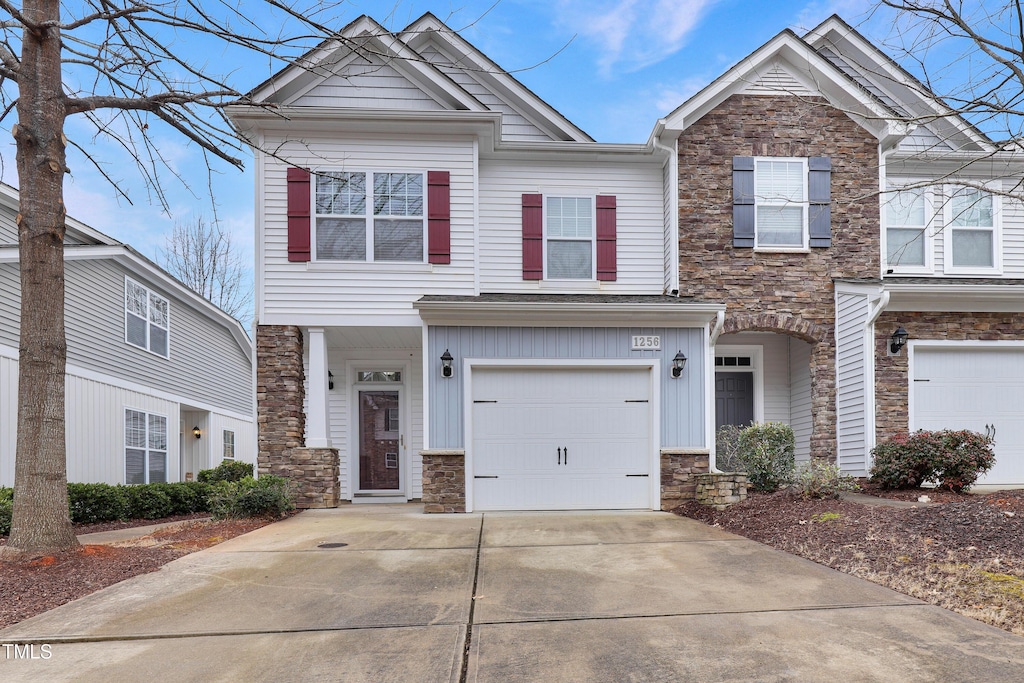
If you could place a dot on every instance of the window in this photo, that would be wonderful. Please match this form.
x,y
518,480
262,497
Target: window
x,y
907,246
780,205
229,445
570,238
972,239
369,216
391,420
147,319
391,461
145,447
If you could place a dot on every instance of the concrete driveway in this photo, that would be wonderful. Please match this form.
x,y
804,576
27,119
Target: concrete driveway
x,y
592,597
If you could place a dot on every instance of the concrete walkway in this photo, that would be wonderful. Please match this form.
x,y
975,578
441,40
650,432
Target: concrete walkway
x,y
384,593
127,534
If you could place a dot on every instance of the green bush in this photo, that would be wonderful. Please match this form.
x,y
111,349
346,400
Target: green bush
x,y
187,497
766,452
727,449
6,493
91,503
822,479
6,508
268,496
148,502
951,459
228,470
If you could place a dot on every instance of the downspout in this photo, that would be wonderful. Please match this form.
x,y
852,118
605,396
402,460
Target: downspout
x,y
709,389
672,167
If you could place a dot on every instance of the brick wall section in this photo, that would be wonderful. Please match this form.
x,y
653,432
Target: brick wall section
x,y
281,422
720,490
678,476
891,379
795,288
444,481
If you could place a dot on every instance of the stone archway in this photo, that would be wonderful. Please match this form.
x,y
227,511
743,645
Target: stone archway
x,y
822,369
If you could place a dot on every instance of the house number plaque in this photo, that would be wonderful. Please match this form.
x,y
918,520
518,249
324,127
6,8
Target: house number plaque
x,y
646,342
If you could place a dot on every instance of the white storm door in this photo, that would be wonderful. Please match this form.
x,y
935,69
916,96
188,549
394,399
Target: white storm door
x,y
561,439
976,389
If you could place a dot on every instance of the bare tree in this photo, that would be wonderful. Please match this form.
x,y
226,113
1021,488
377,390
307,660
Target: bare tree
x,y
205,259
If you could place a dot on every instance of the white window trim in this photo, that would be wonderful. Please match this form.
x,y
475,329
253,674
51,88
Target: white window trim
x,y
805,246
147,449
224,442
368,216
997,234
124,304
756,355
930,216
593,235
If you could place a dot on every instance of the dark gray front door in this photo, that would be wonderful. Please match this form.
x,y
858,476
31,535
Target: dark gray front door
x,y
734,398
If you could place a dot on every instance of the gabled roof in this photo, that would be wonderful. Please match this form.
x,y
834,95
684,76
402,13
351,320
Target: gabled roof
x,y
892,85
807,67
76,231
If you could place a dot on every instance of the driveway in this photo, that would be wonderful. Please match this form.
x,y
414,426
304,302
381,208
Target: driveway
x,y
385,593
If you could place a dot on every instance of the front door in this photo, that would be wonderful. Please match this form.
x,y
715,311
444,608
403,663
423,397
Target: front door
x,y
734,399
380,441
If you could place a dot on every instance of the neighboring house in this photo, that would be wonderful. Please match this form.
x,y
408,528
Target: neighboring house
x,y
463,298
159,380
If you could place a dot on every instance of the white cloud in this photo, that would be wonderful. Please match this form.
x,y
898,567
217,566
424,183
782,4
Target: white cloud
x,y
671,96
817,11
632,34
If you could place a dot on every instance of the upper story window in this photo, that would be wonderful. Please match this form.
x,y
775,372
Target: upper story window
x,y
907,244
369,216
780,205
569,238
972,225
147,318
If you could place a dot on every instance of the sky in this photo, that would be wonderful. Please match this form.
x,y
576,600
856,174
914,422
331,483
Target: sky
x,y
613,67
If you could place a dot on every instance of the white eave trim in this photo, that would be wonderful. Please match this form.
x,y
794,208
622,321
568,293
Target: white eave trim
x,y
955,298
562,314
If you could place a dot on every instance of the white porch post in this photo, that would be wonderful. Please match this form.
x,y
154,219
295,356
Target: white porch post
x,y
317,419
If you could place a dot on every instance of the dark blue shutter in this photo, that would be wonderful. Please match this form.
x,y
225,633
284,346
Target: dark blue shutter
x,y
819,196
743,202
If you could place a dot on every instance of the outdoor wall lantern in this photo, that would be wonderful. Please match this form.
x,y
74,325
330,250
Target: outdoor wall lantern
x,y
678,363
196,432
898,340
330,380
446,364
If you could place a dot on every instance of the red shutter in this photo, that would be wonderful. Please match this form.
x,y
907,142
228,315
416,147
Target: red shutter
x,y
439,217
533,236
606,238
298,214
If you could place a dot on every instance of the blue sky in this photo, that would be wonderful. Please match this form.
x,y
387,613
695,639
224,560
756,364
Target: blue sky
x,y
611,66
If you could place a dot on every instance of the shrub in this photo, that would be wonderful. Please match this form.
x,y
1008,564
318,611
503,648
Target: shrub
x,y
951,459
148,501
727,448
6,508
766,451
228,470
186,496
268,496
91,503
822,479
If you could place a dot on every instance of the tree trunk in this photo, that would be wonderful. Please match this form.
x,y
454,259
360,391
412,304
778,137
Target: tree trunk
x,y
41,523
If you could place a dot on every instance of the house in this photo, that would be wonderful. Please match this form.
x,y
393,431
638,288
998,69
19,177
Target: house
x,y
158,380
462,298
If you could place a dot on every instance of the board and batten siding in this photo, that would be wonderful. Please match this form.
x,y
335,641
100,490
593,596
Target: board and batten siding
x,y
800,398
682,400
328,292
640,217
245,438
367,82
852,311
206,364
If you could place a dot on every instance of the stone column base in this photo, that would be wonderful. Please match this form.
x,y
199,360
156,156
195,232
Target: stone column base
x,y
314,472
679,467
444,480
721,489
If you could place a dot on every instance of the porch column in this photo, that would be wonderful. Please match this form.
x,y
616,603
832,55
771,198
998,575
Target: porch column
x,y
316,419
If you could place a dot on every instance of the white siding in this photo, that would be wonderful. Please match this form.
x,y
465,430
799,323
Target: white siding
x,y
367,83
775,81
851,399
10,304
776,374
8,230
800,397
8,418
1013,238
329,291
245,438
639,215
669,201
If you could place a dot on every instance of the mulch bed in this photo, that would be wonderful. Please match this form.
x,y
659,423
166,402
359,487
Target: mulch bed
x,y
29,588
966,554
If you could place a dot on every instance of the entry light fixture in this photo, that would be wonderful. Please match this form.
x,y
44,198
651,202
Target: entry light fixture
x,y
196,432
678,363
446,364
898,340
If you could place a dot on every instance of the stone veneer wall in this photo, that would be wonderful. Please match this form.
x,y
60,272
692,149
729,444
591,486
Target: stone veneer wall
x,y
721,489
788,293
891,386
444,480
679,470
281,421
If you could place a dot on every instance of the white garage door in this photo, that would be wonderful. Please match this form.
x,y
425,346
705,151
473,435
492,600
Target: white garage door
x,y
561,439
970,389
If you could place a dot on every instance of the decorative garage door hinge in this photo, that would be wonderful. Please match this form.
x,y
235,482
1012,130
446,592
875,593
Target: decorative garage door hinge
x,y
638,475
637,400
485,476
484,401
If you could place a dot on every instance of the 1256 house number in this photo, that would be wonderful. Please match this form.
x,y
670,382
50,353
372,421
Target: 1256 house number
x,y
646,342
